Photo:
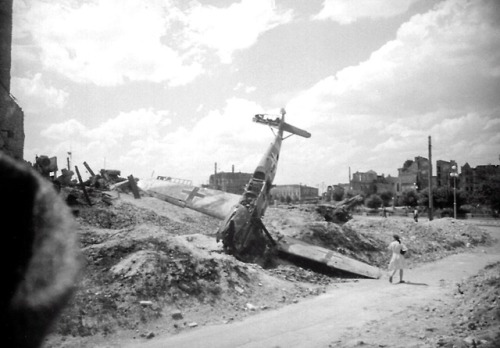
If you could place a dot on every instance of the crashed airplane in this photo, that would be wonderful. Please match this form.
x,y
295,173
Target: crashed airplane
x,y
243,233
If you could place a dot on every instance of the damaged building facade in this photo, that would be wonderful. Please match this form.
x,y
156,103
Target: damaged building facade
x,y
294,193
473,180
370,183
413,176
229,182
11,114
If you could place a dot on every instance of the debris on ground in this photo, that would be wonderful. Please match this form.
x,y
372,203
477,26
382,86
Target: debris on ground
x,y
152,265
476,317
469,317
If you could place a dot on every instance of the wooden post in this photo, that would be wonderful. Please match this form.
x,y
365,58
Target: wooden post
x,y
133,187
431,204
82,186
91,172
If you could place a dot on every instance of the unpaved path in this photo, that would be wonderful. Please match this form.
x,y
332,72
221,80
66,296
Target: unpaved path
x,y
343,312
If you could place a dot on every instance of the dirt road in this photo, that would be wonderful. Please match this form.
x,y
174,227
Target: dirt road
x,y
348,312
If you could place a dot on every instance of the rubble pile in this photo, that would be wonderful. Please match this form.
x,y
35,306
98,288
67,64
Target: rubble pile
x,y
295,274
426,240
366,238
477,317
467,317
152,266
142,267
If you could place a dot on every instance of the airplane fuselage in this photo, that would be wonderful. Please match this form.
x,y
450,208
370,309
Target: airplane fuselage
x,y
241,232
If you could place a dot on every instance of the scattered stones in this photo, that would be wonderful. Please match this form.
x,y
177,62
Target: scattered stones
x,y
137,252
177,314
250,307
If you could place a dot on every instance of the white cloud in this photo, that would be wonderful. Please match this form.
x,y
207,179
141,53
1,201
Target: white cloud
x,y
66,130
37,90
247,89
349,11
436,78
141,141
237,27
441,60
109,42
104,42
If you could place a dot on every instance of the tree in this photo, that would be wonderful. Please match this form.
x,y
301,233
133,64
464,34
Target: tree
x,y
386,197
442,197
489,193
373,201
410,198
338,193
407,164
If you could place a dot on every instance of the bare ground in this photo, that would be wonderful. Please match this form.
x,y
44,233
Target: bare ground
x,y
153,269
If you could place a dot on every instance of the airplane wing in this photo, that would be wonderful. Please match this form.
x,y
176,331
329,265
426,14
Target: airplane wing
x,y
214,203
330,258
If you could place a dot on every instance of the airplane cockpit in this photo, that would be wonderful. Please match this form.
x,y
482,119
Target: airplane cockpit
x,y
252,192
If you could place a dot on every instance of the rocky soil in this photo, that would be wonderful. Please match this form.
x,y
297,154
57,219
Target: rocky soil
x,y
152,268
468,317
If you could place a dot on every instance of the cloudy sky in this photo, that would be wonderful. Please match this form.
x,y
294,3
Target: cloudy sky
x,y
169,87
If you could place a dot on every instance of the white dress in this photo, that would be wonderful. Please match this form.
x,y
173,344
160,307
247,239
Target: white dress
x,y
397,260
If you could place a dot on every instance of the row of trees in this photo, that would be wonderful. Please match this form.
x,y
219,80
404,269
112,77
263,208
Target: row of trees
x,y
486,199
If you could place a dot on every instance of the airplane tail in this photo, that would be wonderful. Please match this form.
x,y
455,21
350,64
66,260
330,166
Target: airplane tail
x,y
294,130
281,124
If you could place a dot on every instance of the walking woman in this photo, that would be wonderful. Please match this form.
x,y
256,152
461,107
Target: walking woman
x,y
397,259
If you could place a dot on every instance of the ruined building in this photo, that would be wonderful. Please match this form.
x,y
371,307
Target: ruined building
x,y
229,182
443,173
370,182
474,180
11,114
294,193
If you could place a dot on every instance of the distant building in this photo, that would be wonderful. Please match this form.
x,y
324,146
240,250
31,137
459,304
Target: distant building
x,y
364,182
443,171
370,183
335,192
294,193
11,115
229,182
413,176
473,179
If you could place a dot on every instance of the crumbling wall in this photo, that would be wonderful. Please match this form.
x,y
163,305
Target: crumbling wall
x,y
11,115
5,42
11,126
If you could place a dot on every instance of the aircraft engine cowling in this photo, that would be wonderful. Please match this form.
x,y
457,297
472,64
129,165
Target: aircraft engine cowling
x,y
242,237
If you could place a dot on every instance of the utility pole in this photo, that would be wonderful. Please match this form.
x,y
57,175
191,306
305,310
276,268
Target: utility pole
x,y
430,182
454,174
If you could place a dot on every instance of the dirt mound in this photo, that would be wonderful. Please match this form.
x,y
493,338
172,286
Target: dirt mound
x,y
143,267
426,240
152,266
366,238
468,316
477,314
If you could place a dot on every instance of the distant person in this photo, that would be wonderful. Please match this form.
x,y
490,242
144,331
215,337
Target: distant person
x,y
384,212
397,260
415,215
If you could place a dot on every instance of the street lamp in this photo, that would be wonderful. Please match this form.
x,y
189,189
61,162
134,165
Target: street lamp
x,y
454,174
